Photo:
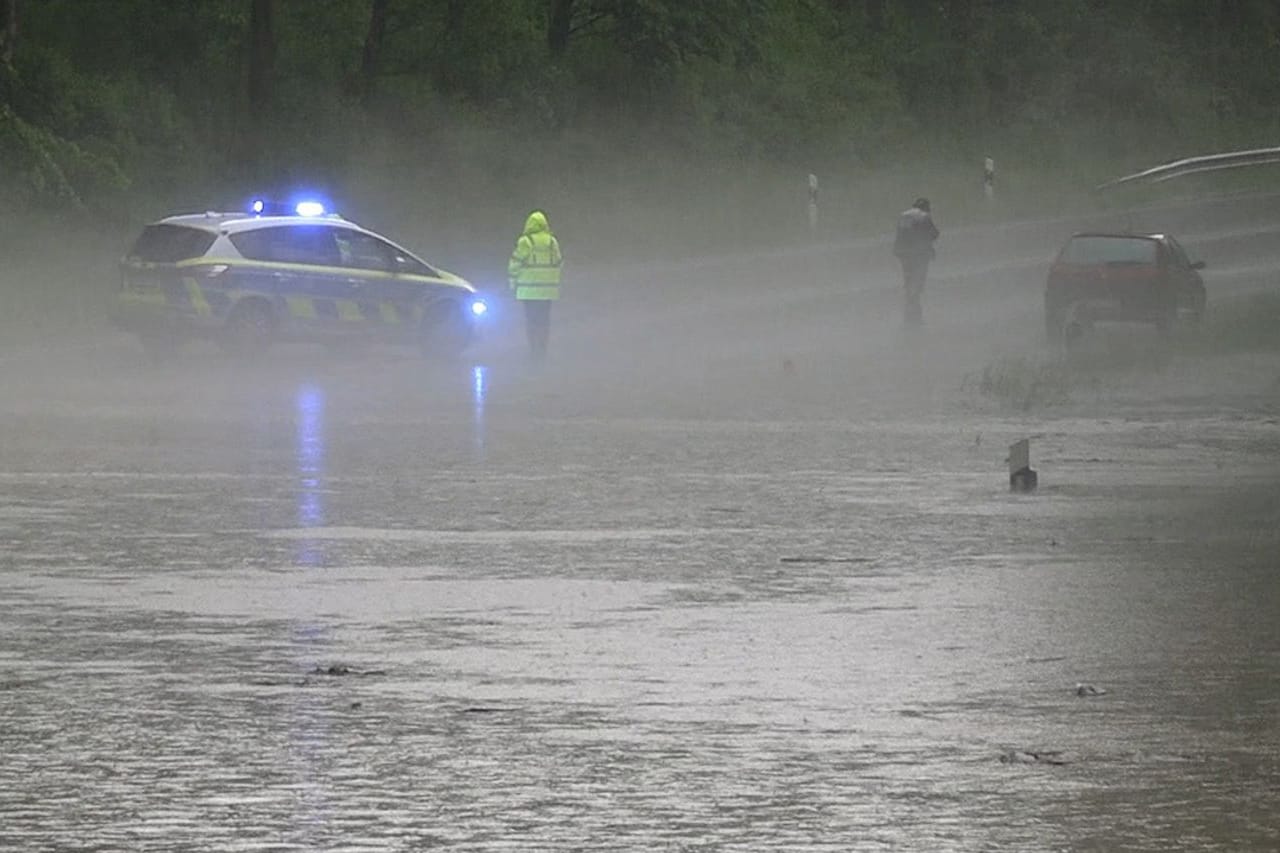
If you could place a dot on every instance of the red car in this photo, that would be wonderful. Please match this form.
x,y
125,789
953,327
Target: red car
x,y
1124,278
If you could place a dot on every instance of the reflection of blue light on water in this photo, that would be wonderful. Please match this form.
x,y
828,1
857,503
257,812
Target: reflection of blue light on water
x,y
479,386
310,448
310,737
310,505
309,459
478,377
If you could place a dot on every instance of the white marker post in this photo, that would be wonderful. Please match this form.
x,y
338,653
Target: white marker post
x,y
989,178
813,203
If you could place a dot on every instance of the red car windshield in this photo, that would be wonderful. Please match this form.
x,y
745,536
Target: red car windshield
x,y
1109,250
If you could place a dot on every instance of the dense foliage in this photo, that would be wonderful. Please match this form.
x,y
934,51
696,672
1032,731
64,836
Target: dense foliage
x,y
141,104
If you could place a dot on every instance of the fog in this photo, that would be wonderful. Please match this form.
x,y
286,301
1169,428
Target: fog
x,y
737,568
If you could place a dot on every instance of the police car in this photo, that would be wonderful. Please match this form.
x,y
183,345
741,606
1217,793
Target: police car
x,y
250,279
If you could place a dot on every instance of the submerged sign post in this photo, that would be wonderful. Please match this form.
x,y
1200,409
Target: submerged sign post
x,y
1021,477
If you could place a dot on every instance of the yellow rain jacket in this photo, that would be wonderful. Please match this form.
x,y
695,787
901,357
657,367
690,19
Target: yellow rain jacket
x,y
534,268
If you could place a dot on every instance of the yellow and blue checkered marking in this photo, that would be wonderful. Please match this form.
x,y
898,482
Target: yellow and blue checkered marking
x,y
191,296
301,294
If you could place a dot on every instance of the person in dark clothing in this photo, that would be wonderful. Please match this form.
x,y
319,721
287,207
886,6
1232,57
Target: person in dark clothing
x,y
913,244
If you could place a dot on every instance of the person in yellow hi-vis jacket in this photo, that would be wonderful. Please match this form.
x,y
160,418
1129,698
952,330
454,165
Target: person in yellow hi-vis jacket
x,y
534,276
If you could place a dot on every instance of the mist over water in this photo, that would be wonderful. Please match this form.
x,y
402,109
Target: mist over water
x,y
738,568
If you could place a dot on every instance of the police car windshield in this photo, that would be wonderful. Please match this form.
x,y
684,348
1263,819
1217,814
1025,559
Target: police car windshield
x,y
167,244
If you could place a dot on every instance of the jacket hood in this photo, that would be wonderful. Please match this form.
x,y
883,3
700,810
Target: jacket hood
x,y
536,222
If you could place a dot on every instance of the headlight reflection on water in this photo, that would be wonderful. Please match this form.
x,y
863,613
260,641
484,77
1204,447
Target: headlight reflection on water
x,y
309,458
310,735
479,389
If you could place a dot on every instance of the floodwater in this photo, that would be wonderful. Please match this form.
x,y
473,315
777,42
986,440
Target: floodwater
x,y
738,569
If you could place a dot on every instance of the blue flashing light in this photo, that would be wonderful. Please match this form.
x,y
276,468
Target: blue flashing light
x,y
308,205
479,308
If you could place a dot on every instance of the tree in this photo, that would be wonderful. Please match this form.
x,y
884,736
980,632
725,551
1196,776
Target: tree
x,y
875,16
8,30
262,56
370,58
559,26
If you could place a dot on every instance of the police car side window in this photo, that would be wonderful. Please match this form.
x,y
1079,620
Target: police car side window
x,y
163,243
363,251
405,263
254,245
290,244
308,244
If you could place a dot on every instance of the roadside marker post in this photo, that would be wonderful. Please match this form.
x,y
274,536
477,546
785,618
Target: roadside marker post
x,y
1021,476
813,204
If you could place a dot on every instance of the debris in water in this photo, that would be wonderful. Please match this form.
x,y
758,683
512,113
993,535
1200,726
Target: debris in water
x,y
339,669
819,559
1089,690
1026,756
17,683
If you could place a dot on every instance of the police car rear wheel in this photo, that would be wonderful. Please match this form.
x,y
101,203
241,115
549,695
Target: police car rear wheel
x,y
249,330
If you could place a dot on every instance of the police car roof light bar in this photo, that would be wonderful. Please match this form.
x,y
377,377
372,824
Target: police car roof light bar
x,y
308,207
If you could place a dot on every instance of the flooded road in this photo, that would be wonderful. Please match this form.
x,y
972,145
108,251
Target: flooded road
x,y
758,588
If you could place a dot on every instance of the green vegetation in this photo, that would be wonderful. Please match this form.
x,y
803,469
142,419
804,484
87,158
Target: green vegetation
x,y
1245,324
1026,383
526,97
648,127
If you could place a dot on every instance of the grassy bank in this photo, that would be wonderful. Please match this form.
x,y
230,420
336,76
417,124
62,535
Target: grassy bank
x,y
1245,324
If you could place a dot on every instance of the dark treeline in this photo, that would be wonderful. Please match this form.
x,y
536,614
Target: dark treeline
x,y
106,102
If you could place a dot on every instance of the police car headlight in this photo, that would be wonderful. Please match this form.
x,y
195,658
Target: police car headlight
x,y
479,308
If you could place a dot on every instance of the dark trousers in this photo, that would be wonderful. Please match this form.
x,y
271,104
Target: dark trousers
x,y
537,323
914,273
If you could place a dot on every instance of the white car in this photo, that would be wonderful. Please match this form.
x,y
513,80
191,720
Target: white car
x,y
249,279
